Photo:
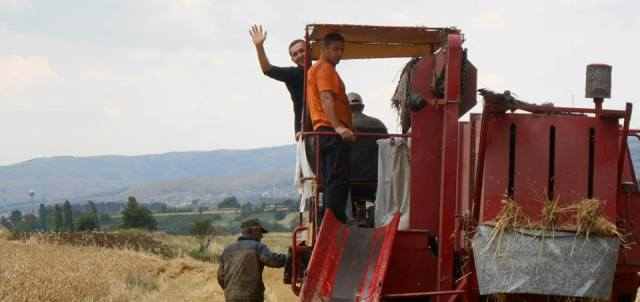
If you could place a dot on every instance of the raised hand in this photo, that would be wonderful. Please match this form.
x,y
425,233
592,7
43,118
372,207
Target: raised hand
x,y
257,34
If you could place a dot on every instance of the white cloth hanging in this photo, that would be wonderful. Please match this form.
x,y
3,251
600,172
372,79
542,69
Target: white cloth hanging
x,y
303,178
393,192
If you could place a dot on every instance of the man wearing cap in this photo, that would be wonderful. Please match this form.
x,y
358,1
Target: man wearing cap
x,y
292,77
364,155
329,110
242,263
361,121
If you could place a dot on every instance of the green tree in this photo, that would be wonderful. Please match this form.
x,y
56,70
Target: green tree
x,y
230,202
204,232
104,218
67,216
136,216
87,222
29,223
15,217
43,217
93,214
57,220
5,222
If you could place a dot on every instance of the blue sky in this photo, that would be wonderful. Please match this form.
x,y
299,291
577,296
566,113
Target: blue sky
x,y
149,76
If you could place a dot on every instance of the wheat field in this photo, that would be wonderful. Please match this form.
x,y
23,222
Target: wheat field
x,y
36,271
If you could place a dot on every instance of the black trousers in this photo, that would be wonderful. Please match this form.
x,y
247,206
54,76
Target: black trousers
x,y
335,159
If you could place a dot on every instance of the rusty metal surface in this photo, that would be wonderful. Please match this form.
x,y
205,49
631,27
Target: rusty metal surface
x,y
375,51
382,34
367,42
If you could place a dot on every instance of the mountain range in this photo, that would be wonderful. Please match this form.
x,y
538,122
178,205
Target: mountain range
x,y
173,178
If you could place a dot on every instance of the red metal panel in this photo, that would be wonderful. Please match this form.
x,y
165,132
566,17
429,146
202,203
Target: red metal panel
x,y
426,145
324,259
572,158
412,267
464,178
533,159
449,172
531,162
372,283
606,160
496,166
631,209
348,262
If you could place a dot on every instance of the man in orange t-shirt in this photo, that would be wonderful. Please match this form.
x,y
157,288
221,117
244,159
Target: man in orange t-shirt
x,y
329,110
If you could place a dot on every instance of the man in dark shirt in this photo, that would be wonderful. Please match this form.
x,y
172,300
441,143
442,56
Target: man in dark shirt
x,y
242,263
292,76
364,157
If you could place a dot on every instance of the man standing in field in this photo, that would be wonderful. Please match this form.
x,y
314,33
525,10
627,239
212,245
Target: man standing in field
x,y
242,263
329,109
293,77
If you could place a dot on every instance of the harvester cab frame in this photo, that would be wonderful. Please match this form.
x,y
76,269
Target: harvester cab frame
x,y
461,175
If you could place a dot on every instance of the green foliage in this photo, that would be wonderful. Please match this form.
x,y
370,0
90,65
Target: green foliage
x,y
137,216
229,202
43,217
87,222
202,228
5,222
29,223
104,218
204,232
67,217
15,218
58,221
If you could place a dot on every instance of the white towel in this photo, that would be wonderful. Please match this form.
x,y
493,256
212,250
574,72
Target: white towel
x,y
393,193
303,170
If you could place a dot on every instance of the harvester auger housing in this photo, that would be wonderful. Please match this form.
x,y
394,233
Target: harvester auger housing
x,y
462,176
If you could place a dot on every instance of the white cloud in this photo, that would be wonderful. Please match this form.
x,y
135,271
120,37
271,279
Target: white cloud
x,y
14,4
21,72
490,20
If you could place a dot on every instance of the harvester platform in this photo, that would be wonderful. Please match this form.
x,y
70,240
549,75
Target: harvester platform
x,y
348,262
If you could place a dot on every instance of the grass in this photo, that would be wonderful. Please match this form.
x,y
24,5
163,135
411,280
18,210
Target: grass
x,y
39,271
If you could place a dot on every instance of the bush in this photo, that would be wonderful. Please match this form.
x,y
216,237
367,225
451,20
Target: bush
x,y
229,202
136,216
205,255
87,222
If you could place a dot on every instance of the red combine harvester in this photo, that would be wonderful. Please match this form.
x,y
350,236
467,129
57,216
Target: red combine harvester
x,y
461,173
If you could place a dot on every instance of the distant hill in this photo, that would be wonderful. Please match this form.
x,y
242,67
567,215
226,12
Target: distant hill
x,y
172,177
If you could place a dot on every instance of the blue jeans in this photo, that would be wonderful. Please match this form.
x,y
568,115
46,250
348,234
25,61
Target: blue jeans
x,y
335,156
